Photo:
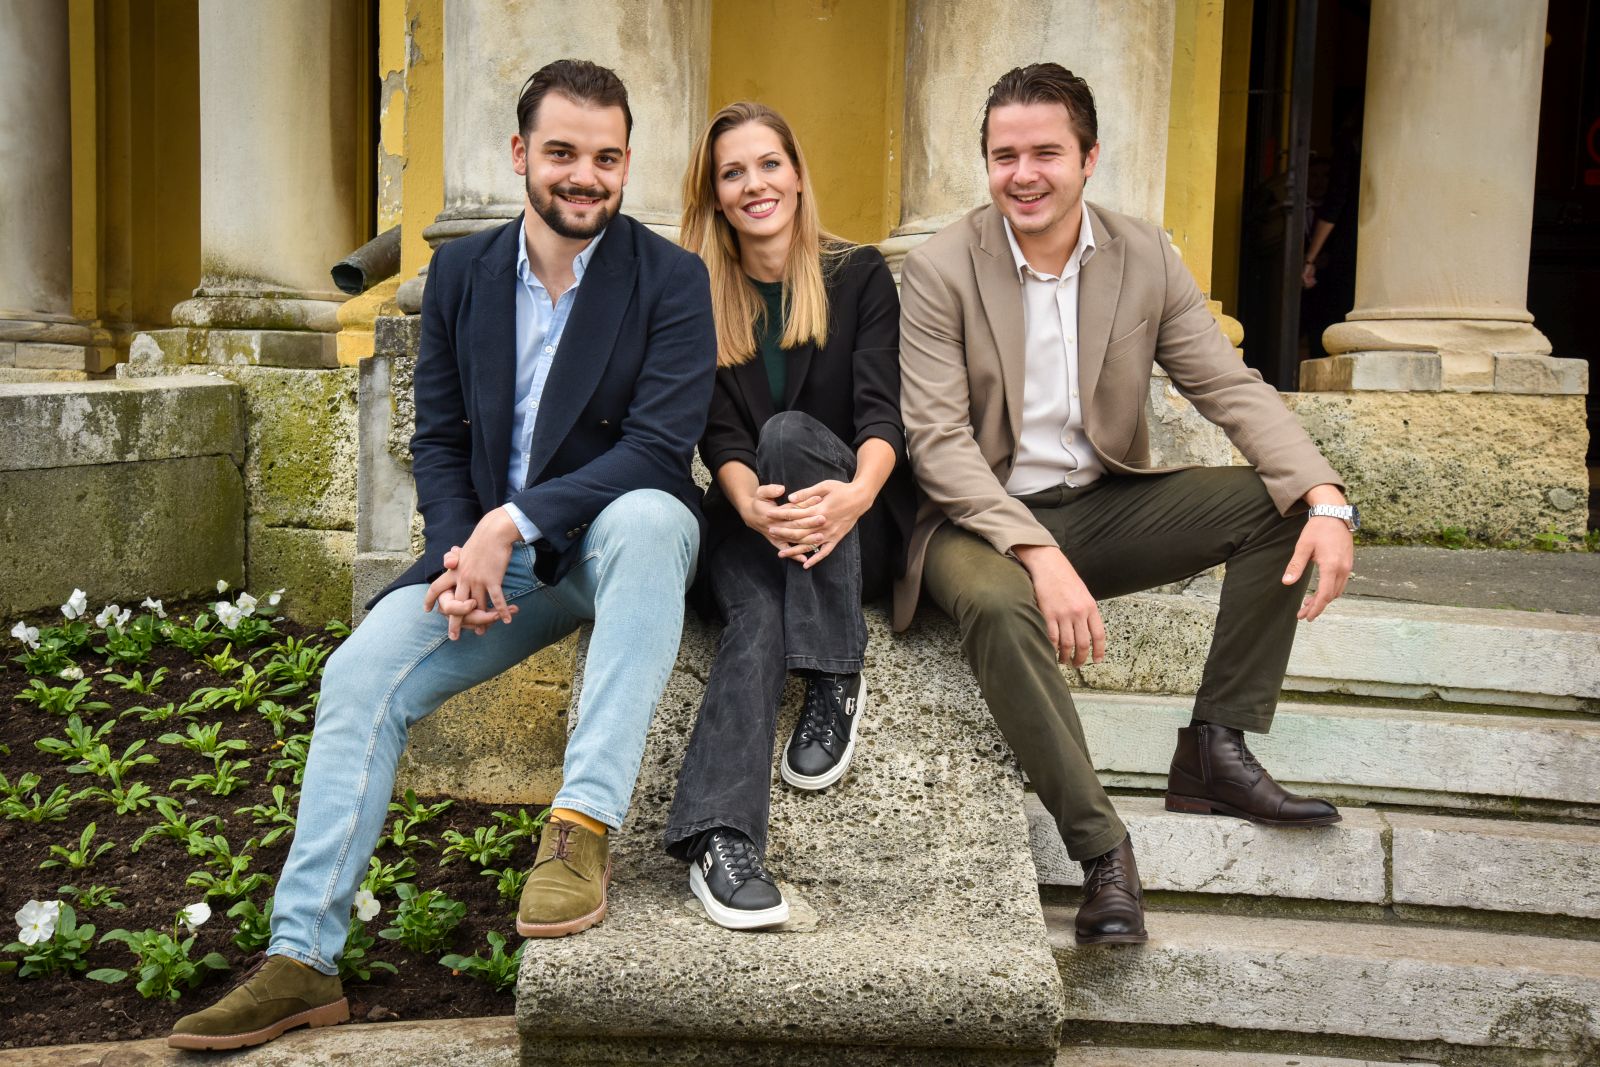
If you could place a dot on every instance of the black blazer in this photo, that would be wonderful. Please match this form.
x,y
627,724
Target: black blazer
x,y
625,401
851,385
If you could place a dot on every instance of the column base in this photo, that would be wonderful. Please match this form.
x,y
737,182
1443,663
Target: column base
x,y
258,312
1472,355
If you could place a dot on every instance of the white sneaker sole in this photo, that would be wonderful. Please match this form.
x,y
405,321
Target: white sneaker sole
x,y
733,918
822,781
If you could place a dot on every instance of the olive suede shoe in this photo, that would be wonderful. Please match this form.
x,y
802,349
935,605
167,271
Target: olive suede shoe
x,y
566,892
278,994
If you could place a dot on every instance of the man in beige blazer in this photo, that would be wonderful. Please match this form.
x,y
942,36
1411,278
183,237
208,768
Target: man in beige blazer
x,y
1028,332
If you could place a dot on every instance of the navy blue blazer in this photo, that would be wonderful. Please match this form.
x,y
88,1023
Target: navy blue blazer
x,y
625,402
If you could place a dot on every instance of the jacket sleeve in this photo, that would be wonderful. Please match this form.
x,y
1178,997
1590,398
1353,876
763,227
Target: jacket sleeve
x,y
936,405
876,356
441,445
665,417
1207,371
728,435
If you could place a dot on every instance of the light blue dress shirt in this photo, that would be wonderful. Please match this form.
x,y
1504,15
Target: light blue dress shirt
x,y
540,324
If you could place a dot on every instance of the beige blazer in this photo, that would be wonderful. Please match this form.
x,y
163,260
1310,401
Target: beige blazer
x,y
962,369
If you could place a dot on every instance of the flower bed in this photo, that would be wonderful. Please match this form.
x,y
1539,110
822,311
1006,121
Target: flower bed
x,y
149,778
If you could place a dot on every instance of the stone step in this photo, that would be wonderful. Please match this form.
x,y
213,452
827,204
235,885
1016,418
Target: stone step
x,y
1157,642
1401,755
903,948
1435,861
1427,985
1108,1056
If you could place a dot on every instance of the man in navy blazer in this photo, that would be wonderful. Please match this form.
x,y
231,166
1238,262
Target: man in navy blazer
x,y
564,377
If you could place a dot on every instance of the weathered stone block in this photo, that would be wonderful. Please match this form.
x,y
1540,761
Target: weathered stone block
x,y
372,573
1496,865
1520,372
502,742
8,353
25,375
49,424
1201,854
312,565
1417,463
1179,434
120,531
943,966
1373,371
1102,1056
1367,981
42,355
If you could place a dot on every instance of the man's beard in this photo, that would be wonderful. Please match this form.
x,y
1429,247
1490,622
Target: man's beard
x,y
548,208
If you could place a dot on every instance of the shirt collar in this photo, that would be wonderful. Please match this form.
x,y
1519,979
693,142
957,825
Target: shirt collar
x,y
580,262
1080,253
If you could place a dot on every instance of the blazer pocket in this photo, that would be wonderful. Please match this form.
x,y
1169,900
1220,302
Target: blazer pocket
x,y
1121,346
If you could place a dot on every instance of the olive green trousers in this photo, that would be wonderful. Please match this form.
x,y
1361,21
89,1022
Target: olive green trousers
x,y
1122,534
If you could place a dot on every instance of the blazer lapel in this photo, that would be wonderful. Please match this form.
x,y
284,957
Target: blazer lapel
x,y
590,334
493,352
1098,288
751,378
1001,293
795,376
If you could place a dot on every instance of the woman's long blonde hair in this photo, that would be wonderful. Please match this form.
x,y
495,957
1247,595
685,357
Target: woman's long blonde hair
x,y
736,305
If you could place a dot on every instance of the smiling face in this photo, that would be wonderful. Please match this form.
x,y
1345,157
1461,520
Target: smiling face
x,y
1037,168
756,183
575,162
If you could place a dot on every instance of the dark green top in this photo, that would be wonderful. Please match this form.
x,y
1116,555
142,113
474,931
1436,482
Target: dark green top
x,y
769,334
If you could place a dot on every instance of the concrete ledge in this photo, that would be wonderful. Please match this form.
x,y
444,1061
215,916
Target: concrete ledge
x,y
1497,865
1102,1056
1200,854
1158,643
1396,983
49,424
925,942
1400,750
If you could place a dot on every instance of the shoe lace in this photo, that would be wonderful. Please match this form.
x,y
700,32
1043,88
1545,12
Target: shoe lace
x,y
740,859
824,695
563,850
1105,871
1246,757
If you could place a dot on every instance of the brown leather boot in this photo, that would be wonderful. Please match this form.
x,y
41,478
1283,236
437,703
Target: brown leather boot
x,y
1112,912
1214,773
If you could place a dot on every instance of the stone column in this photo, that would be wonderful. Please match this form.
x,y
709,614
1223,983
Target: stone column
x,y
1448,154
955,49
37,329
279,155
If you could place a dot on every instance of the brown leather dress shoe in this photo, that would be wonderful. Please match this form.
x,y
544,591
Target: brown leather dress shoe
x,y
1112,912
566,891
1214,773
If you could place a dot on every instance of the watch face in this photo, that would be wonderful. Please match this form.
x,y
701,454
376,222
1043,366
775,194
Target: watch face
x,y
1355,518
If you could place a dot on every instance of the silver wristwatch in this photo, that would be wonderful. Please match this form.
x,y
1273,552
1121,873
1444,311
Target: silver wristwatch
x,y
1348,513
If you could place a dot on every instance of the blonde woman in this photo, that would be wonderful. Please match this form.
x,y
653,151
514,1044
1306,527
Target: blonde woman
x,y
809,503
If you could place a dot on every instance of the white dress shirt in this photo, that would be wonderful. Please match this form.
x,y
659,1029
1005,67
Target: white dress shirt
x,y
540,323
1052,450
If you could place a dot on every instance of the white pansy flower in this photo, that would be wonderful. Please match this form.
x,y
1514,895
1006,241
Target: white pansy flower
x,y
227,614
28,635
36,921
153,605
71,674
246,604
367,905
222,585
76,604
123,616
194,916
272,600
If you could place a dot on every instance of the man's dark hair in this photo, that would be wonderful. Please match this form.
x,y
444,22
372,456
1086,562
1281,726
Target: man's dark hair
x,y
578,80
1045,83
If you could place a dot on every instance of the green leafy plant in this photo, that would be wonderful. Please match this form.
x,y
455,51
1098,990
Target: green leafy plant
x,y
521,825
123,798
222,780
81,856
353,962
295,663
224,662
1454,537
19,807
130,645
175,825
383,877
424,921
206,740
246,691
94,896
279,815
336,629
291,758
192,639
163,960
255,925
484,848
99,760
59,700
62,951
1551,540
136,683
507,882
410,814
497,970
230,877
49,659
279,716
80,740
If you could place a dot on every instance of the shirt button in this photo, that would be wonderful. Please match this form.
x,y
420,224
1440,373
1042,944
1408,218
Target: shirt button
x,y
1072,340
1074,394
548,349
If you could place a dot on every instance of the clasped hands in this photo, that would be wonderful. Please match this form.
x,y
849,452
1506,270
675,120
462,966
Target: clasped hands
x,y
468,593
806,525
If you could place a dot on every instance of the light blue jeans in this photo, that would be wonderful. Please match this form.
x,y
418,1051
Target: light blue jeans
x,y
399,665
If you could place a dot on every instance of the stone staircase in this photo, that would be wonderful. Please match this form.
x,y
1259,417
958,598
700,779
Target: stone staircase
x,y
1453,917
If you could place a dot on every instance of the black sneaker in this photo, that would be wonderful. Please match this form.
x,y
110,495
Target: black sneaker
x,y
825,738
731,883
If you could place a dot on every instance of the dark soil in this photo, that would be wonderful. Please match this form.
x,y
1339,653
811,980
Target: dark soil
x,y
46,1010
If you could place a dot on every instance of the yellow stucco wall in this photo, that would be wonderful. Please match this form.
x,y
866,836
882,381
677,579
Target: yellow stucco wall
x,y
834,69
1231,131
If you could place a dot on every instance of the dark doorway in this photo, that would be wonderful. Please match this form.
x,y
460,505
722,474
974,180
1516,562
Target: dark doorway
x,y
1564,263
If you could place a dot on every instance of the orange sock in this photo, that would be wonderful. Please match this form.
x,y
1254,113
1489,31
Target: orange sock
x,y
567,814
